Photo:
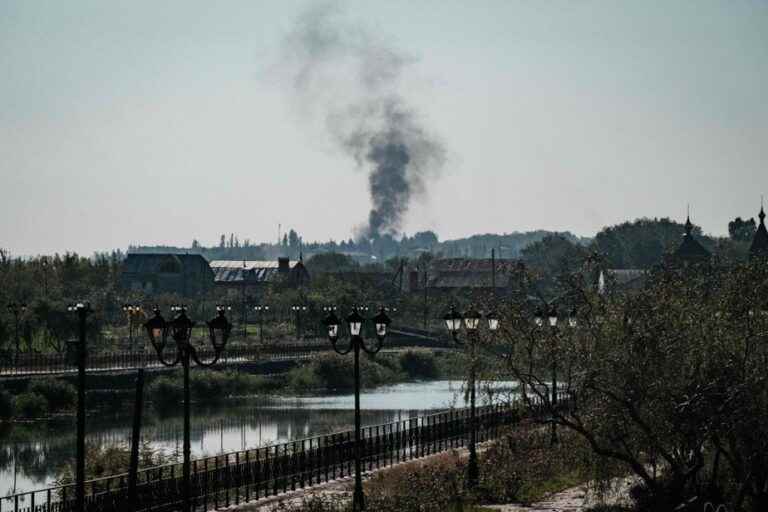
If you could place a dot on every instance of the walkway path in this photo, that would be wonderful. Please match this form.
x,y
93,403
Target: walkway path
x,y
575,499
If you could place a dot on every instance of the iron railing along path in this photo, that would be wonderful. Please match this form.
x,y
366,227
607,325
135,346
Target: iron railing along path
x,y
38,364
249,475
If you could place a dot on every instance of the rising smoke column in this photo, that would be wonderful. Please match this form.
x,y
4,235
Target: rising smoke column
x,y
345,76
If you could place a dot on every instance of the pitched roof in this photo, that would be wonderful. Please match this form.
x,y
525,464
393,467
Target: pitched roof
x,y
471,273
759,245
691,249
474,265
626,278
252,271
154,262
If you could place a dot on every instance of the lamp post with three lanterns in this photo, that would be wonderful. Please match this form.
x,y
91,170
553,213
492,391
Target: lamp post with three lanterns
x,y
355,323
551,326
261,310
132,311
471,319
184,354
298,309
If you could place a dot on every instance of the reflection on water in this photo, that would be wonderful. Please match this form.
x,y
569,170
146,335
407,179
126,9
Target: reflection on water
x,y
30,455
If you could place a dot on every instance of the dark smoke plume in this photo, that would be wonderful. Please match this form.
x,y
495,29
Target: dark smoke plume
x,y
345,76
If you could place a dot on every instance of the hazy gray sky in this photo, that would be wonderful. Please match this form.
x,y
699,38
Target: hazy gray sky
x,y
160,122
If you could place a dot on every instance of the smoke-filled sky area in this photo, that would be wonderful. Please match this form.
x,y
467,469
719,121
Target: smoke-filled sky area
x,y
159,122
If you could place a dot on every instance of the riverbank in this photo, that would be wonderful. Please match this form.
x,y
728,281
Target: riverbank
x,y
32,452
47,398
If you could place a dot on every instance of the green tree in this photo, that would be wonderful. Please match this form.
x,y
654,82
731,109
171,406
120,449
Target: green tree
x,y
742,230
641,243
330,262
551,259
668,377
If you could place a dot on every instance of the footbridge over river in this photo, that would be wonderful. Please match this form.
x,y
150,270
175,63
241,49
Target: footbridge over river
x,y
273,356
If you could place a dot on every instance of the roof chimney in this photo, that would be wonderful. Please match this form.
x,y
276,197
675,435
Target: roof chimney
x,y
283,264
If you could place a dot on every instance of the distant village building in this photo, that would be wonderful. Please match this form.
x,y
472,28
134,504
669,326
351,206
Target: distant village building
x,y
183,274
614,279
253,275
467,275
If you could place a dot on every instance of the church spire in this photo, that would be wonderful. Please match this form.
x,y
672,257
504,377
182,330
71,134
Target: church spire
x,y
688,224
690,250
759,245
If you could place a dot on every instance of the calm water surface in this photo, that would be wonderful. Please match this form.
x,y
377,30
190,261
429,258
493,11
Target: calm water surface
x,y
31,455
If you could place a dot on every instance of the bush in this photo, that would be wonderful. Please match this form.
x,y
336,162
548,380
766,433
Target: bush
x,y
315,503
112,459
419,364
166,391
59,393
205,386
334,371
436,485
6,405
214,385
31,405
523,466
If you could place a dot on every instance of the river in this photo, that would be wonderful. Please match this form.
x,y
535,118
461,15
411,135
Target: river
x,y
32,454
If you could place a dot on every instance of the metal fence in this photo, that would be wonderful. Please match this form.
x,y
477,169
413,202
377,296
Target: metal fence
x,y
249,475
32,364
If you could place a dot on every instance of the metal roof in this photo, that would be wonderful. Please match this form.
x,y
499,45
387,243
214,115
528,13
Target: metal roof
x,y
251,271
248,264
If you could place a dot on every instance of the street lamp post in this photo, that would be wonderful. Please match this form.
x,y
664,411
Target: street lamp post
x,y
552,321
298,309
261,310
82,309
180,330
17,310
356,343
471,320
132,311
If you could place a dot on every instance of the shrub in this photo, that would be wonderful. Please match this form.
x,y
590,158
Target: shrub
x,y
205,386
6,404
334,371
111,459
419,364
316,503
59,393
303,378
166,391
31,405
436,485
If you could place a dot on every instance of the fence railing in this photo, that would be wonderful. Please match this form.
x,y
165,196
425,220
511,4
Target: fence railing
x,y
30,364
248,475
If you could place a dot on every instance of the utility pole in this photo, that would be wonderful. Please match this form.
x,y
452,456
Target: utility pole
x,y
245,307
493,272
44,264
426,296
